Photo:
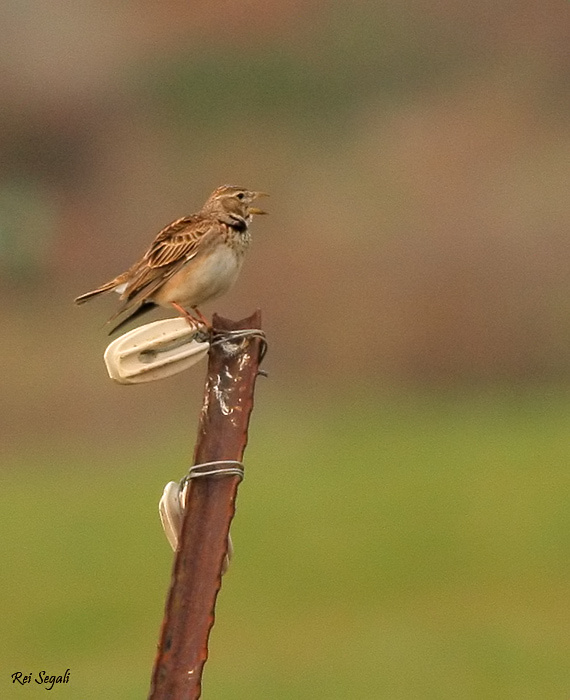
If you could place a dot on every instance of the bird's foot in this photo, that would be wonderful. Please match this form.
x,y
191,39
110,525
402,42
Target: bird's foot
x,y
194,321
202,318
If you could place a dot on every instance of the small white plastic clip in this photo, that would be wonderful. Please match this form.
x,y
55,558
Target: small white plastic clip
x,y
155,351
171,510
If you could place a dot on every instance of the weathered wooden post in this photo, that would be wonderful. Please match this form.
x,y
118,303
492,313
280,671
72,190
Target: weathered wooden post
x,y
196,577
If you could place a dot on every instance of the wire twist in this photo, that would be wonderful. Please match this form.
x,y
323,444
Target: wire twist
x,y
235,468
221,337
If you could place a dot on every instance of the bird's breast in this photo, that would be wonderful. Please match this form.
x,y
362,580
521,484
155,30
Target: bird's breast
x,y
238,237
202,278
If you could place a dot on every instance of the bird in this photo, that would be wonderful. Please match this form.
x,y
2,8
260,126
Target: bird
x,y
193,260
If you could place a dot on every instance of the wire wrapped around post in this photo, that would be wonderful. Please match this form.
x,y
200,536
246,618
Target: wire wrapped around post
x,y
196,577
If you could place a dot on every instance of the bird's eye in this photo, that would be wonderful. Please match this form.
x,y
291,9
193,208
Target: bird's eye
x,y
240,195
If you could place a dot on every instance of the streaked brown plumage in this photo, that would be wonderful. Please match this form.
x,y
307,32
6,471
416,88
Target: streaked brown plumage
x,y
193,260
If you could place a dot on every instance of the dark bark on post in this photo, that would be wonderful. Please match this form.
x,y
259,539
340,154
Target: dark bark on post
x,y
196,577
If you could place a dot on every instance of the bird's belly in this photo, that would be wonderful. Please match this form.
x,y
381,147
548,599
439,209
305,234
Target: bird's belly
x,y
201,279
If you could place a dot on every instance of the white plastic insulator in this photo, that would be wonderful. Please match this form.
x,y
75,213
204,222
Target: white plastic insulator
x,y
155,351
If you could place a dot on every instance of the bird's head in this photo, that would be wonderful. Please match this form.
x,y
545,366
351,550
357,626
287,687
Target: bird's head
x,y
233,201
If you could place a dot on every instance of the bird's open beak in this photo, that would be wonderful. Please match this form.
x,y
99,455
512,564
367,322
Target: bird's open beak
x,y
255,210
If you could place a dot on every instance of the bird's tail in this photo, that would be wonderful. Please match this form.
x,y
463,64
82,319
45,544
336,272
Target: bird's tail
x,y
133,313
113,284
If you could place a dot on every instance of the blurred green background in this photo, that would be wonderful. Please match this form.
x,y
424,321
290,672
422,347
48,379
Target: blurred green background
x,y
403,530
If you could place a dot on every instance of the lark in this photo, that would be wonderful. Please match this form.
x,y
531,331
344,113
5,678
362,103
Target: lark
x,y
193,260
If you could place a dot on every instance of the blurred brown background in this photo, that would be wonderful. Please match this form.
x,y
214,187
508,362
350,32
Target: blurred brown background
x,y
418,160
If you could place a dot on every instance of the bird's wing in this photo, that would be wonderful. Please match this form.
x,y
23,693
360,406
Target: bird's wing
x,y
174,246
179,241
